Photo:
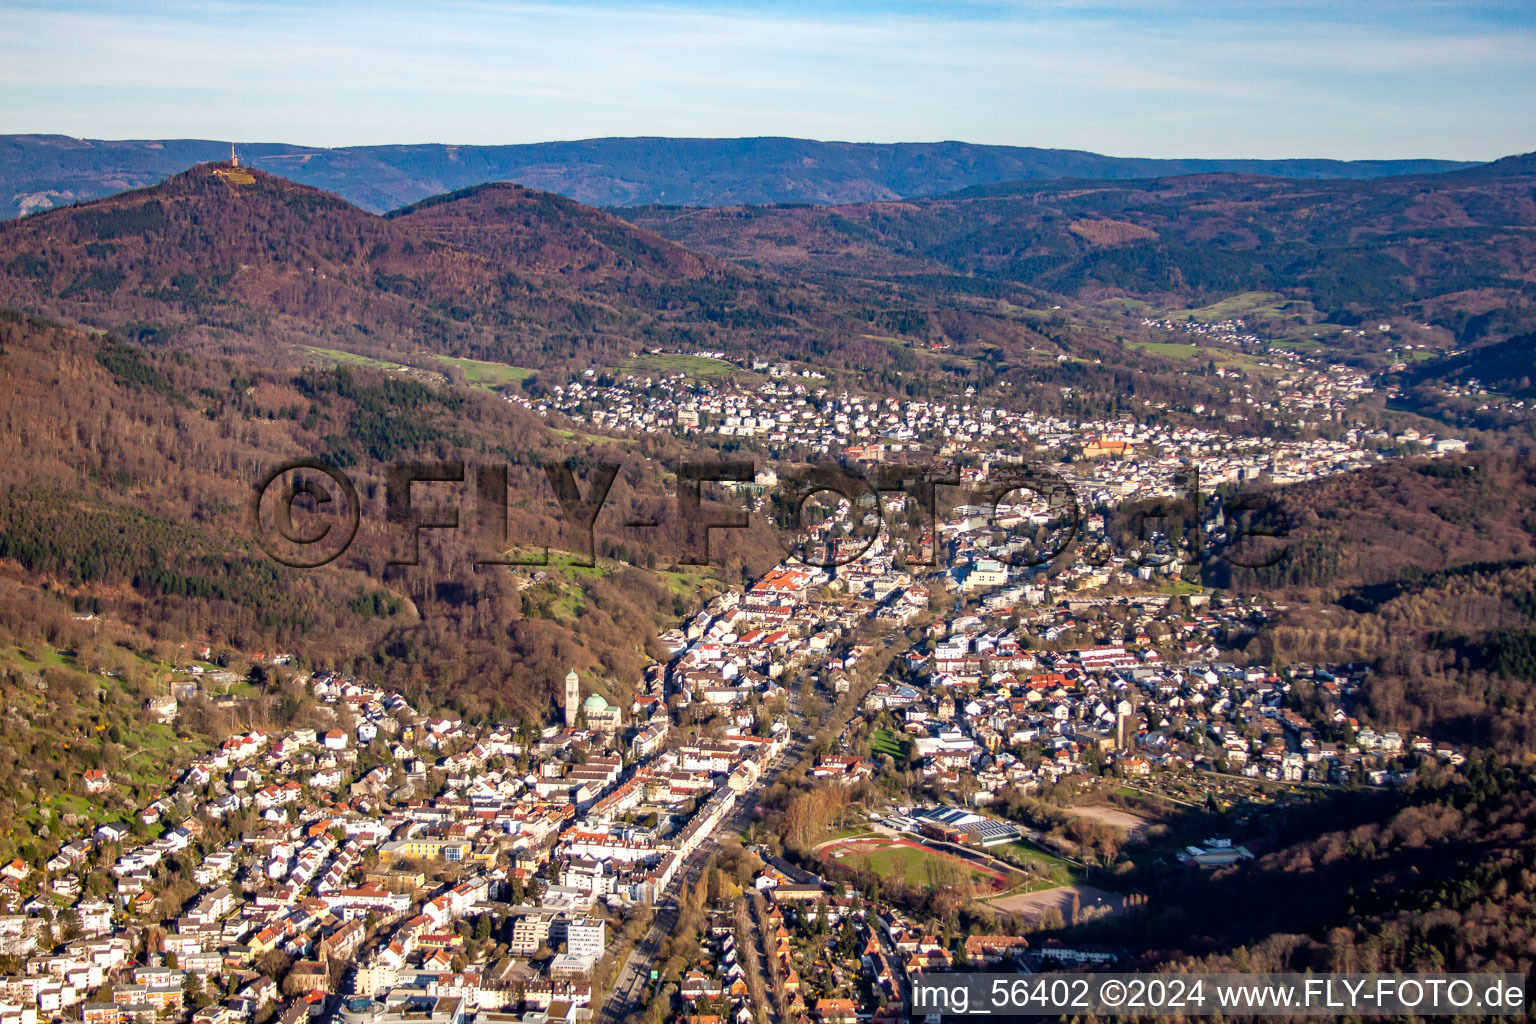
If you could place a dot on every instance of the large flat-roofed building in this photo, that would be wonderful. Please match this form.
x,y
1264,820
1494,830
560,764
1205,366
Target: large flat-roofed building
x,y
955,825
451,850
414,1009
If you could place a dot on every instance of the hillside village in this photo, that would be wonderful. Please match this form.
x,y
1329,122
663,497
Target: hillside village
x,y
1111,460
406,865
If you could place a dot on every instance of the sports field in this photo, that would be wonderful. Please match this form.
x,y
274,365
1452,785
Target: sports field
x,y
913,864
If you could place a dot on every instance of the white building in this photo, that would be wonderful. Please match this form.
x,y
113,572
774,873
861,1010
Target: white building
x,y
587,938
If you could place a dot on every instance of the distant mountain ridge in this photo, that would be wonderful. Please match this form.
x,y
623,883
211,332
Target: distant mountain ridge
x,y
39,172
1453,249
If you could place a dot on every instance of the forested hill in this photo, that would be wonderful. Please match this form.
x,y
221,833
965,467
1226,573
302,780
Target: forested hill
x,y
1455,249
1381,528
125,480
503,273
1425,569
38,172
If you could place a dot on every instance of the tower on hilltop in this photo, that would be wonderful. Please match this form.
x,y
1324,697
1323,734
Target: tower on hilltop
x,y
234,161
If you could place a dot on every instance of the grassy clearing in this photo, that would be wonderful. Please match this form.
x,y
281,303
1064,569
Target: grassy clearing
x,y
1290,322
39,656
476,371
581,435
336,355
1168,349
1048,869
561,594
1244,305
148,753
50,658
667,362
416,368
917,867
1229,359
886,742
567,573
1226,358
571,566
850,832
487,375
685,580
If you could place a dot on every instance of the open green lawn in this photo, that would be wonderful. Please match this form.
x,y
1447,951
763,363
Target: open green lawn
x,y
49,658
1122,302
918,868
1243,306
561,596
1168,349
40,656
886,742
1230,359
1289,322
490,375
336,355
574,435
1227,358
571,566
849,831
476,371
685,580
567,569
567,572
416,366
668,362
1055,870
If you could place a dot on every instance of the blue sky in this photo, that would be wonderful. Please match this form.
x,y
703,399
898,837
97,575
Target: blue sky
x,y
1219,78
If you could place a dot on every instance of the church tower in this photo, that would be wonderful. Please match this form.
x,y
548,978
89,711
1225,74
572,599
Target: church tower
x,y
572,698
